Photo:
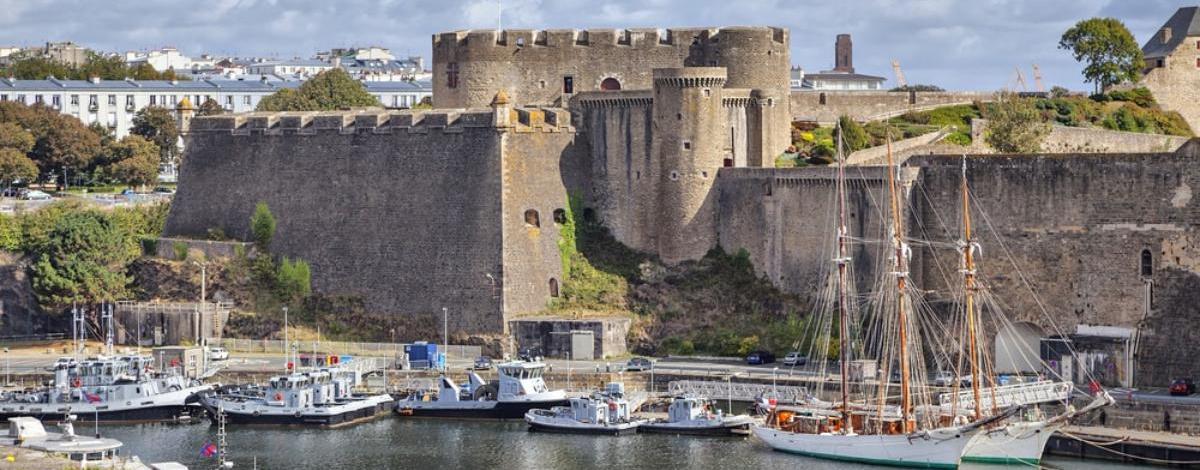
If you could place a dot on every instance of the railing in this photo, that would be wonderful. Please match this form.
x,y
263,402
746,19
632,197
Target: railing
x,y
1007,395
268,346
738,391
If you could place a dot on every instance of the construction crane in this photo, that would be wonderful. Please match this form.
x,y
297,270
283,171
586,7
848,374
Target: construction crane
x,y
1037,79
900,81
1020,79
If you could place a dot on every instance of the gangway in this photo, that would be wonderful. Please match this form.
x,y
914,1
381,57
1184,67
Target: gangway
x,y
737,390
1043,391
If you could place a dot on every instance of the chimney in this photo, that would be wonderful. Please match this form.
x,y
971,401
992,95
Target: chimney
x,y
1166,34
843,54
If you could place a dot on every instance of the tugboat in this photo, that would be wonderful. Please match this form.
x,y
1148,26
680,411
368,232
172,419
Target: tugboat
x,y
604,413
519,389
316,398
111,390
690,416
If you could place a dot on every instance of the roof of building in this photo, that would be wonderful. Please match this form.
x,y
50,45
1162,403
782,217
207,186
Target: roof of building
x,y
1185,22
841,77
51,85
294,63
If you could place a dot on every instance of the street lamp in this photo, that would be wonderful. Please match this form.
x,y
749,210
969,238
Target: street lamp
x,y
445,338
774,372
203,295
7,377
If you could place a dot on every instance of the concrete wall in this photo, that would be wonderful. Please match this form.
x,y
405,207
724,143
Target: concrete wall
x,y
827,106
608,334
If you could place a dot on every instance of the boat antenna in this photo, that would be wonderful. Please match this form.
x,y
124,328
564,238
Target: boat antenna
x,y
969,287
901,283
842,260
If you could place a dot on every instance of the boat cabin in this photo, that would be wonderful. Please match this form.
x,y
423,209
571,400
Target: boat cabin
x,y
521,378
687,409
600,409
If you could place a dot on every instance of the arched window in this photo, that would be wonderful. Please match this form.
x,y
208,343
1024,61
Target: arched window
x,y
560,216
610,84
531,218
1147,263
553,287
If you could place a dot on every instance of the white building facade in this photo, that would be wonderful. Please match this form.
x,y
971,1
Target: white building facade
x,y
113,103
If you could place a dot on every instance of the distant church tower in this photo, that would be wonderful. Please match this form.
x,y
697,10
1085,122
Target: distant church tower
x,y
843,54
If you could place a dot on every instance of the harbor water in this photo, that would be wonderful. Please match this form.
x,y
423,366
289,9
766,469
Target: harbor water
x,y
391,443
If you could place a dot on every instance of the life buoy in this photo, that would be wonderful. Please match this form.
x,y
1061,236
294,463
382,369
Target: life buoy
x,y
75,382
278,396
612,406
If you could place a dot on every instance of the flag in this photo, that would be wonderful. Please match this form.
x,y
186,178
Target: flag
x,y
208,450
91,397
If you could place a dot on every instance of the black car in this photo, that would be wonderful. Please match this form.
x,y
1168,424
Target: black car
x,y
1182,387
760,357
530,355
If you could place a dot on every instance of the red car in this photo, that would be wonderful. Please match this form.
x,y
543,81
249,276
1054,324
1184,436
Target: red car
x,y
1182,387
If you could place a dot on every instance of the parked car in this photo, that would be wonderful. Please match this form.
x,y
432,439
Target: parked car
x,y
530,355
217,353
946,379
63,362
794,359
639,364
1182,387
35,195
482,363
164,190
760,357
10,192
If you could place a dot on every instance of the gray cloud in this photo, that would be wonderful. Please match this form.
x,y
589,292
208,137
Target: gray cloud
x,y
959,44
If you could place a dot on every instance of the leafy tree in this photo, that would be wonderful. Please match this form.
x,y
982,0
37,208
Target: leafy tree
x,y
32,67
210,107
83,259
262,225
1015,125
294,280
426,103
61,142
1059,92
331,89
135,161
854,137
918,87
14,166
1109,49
12,136
157,124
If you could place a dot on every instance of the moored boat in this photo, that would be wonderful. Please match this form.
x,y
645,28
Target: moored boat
x,y
519,389
606,413
321,397
692,416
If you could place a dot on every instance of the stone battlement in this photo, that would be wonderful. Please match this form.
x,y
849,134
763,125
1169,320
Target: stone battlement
x,y
381,121
629,38
690,77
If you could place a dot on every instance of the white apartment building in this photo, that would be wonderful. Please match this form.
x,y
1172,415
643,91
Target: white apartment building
x,y
113,103
298,68
167,58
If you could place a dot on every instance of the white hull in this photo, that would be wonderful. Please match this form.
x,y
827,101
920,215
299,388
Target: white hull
x,y
1015,443
942,448
567,425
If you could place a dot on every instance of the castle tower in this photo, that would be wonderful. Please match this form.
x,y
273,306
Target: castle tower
x,y
184,112
757,59
843,54
689,127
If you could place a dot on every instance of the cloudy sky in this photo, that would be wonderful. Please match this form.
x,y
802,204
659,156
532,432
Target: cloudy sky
x,y
957,44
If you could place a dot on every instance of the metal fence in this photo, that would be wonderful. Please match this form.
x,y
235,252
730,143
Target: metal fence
x,y
453,352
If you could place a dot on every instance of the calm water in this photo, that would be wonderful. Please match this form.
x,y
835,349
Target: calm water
x,y
390,443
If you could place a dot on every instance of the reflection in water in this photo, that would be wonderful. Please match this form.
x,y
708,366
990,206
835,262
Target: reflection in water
x,y
394,443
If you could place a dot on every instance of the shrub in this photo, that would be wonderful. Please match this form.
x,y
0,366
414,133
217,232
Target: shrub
x,y
181,250
294,280
262,225
10,233
958,138
216,234
149,245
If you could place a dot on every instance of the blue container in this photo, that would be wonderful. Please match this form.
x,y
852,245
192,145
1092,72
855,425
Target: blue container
x,y
421,355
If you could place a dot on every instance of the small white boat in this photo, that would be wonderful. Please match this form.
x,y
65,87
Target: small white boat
x,y
691,416
602,413
520,388
322,398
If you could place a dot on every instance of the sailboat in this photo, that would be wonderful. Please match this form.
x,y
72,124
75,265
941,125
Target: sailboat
x,y
889,435
1016,441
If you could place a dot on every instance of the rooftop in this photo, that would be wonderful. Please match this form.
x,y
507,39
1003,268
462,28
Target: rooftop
x,y
53,84
1185,22
835,76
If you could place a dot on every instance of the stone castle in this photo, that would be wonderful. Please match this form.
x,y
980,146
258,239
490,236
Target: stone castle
x,y
668,138
1172,70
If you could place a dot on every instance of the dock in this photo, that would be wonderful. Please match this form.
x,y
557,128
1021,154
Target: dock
x,y
1127,446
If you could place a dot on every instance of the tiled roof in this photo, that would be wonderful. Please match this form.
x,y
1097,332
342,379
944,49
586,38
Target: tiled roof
x,y
1185,22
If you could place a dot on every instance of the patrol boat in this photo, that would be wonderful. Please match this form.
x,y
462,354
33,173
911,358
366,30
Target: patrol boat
x,y
111,390
520,388
321,397
691,416
604,412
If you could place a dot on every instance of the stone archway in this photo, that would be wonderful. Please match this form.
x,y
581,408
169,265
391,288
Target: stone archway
x,y
1018,348
610,84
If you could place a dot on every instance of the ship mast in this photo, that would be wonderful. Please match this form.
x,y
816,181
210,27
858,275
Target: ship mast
x,y
843,311
969,288
901,281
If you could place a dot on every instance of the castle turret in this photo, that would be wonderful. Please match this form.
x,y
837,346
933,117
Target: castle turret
x,y
184,112
501,110
689,126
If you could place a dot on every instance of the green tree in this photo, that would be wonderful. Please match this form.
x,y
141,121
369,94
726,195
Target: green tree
x,y
854,136
1108,48
15,166
157,124
262,225
210,107
1015,125
83,259
135,161
331,89
12,136
294,280
66,146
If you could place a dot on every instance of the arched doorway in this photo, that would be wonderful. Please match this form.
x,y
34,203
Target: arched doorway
x,y
1018,348
610,84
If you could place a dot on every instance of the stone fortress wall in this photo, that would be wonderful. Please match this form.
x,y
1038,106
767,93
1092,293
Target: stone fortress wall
x,y
826,107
